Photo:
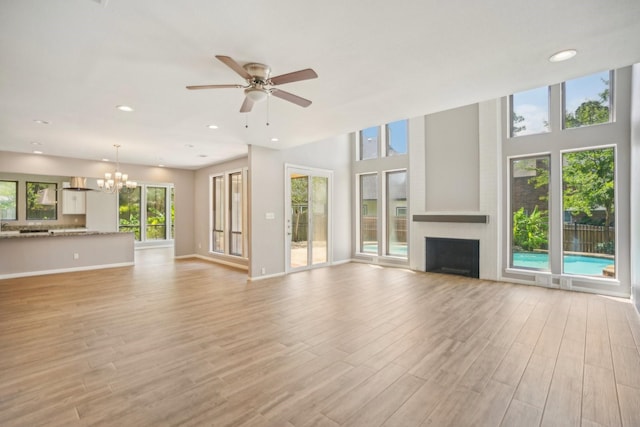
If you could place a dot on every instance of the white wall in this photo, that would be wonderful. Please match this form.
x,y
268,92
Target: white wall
x,y
452,162
183,181
635,187
266,168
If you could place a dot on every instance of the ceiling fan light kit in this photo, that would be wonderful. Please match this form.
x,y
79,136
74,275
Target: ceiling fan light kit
x,y
256,94
260,84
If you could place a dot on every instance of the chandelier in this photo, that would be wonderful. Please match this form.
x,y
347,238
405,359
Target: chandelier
x,y
115,182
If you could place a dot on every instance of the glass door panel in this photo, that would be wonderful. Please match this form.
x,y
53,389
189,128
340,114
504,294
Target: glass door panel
x,y
319,220
156,213
298,221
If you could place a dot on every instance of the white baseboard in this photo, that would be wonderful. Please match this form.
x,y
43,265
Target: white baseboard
x,y
217,261
268,276
64,270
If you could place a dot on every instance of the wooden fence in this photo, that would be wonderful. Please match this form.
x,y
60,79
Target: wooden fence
x,y
585,238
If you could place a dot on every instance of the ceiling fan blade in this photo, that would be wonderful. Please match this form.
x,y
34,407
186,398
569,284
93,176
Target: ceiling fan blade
x,y
229,62
290,97
247,105
213,87
296,76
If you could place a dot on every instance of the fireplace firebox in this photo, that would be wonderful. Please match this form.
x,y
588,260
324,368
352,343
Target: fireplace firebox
x,y
453,256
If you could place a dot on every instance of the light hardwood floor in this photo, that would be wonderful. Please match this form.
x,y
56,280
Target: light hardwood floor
x,y
193,343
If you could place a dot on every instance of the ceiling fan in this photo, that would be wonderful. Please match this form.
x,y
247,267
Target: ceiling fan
x,y
260,84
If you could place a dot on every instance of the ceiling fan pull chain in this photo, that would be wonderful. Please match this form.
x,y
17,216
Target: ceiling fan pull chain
x,y
267,110
246,120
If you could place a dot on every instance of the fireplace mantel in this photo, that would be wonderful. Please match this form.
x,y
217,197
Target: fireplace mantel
x,y
454,217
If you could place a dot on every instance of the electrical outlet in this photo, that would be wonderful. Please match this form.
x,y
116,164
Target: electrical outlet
x,y
263,271
76,255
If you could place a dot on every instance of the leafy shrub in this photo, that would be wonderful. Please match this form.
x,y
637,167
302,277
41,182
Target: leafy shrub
x,y
530,231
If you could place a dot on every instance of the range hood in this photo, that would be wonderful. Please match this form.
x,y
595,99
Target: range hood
x,y
77,183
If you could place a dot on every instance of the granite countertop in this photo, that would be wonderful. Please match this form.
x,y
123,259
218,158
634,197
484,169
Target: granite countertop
x,y
56,233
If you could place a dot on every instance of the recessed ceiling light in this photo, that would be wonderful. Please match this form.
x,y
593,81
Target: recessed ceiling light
x,y
202,155
563,55
105,160
189,145
125,108
36,143
42,122
37,152
274,140
212,127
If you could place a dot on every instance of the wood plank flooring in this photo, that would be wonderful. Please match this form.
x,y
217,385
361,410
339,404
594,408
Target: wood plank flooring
x,y
187,342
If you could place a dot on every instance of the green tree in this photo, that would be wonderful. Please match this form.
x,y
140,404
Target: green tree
x,y
588,180
591,111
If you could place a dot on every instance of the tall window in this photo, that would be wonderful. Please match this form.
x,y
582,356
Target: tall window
x,y
8,200
530,213
396,213
148,211
235,213
369,140
217,238
228,219
587,100
588,199
530,112
396,137
156,213
369,213
129,203
42,201
562,203
173,213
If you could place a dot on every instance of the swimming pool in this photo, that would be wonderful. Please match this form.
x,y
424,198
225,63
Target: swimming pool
x,y
573,264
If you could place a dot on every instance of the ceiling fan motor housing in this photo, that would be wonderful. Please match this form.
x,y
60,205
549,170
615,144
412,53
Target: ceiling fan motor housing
x,y
260,72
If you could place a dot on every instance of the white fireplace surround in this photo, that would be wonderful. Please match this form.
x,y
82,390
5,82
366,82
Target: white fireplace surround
x,y
485,233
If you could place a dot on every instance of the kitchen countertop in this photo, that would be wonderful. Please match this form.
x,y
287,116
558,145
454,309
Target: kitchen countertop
x,y
55,233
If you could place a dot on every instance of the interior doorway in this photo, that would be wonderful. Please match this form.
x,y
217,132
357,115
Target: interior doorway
x,y
308,217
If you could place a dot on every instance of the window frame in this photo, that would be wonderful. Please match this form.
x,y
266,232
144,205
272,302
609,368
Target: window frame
x,y
510,113
387,139
55,204
386,216
215,209
363,207
226,213
616,227
616,134
509,206
361,139
16,201
612,109
233,216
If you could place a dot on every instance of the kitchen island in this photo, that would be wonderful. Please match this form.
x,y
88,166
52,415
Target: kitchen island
x,y
58,251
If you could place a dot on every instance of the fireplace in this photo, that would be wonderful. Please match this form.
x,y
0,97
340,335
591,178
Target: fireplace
x,y
453,256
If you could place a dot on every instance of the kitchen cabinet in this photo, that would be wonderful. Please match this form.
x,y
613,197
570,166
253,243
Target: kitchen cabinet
x,y
74,202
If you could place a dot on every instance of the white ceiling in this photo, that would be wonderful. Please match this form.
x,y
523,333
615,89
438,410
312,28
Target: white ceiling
x,y
70,62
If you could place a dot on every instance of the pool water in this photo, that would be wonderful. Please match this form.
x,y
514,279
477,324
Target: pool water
x,y
573,264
